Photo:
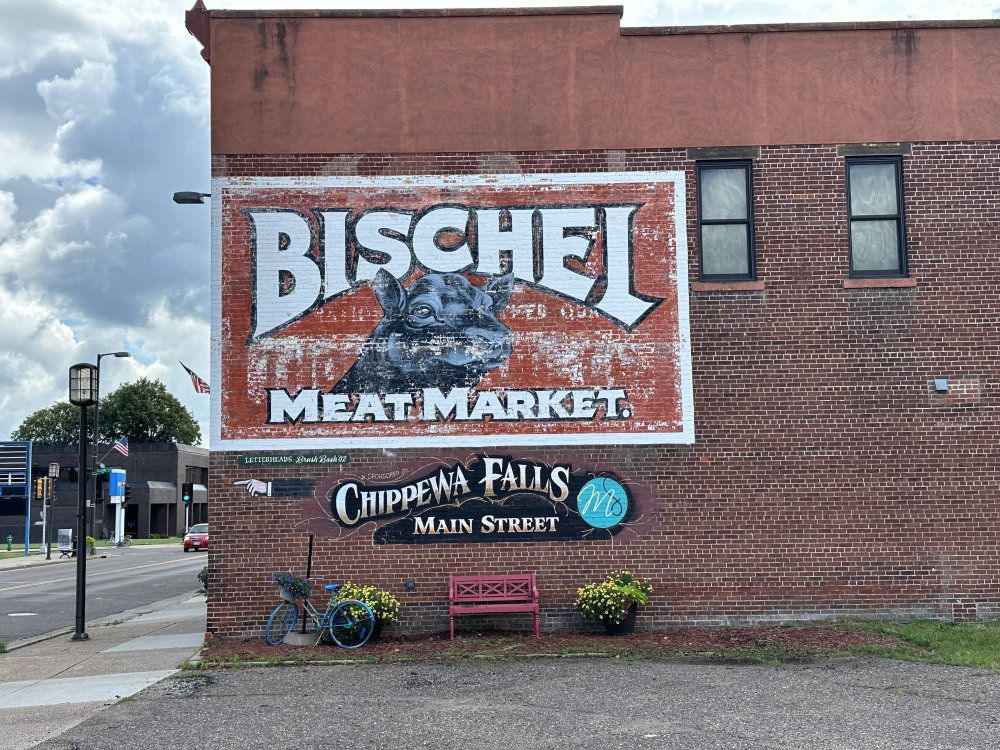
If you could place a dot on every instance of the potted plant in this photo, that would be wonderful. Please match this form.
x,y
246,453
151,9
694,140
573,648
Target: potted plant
x,y
383,605
91,545
291,586
613,602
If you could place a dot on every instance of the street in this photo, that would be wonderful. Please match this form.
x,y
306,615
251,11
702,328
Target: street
x,y
41,599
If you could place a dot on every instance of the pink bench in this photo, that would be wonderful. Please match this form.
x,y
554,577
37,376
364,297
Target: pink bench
x,y
476,595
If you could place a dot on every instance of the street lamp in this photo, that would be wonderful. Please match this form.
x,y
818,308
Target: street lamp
x,y
82,393
186,197
97,404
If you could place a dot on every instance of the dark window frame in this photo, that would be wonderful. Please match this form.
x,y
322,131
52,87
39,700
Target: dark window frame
x,y
747,166
902,270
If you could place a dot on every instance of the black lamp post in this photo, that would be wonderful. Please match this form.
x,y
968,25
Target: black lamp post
x,y
82,393
97,406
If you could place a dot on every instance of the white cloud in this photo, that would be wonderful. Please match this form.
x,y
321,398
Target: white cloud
x,y
85,94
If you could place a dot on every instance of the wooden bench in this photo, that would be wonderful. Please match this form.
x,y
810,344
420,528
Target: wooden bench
x,y
476,595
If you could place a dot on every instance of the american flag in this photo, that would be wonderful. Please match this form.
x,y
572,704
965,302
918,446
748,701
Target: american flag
x,y
121,446
200,386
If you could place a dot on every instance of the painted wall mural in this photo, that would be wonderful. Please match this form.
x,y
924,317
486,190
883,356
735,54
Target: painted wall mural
x,y
479,499
464,310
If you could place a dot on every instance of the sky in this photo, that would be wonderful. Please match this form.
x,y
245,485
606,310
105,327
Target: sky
x,y
104,114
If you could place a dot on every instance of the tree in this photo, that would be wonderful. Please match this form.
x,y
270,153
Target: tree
x,y
59,424
143,411
146,412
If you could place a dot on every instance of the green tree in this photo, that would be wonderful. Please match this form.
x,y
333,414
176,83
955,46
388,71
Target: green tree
x,y
143,411
146,412
58,424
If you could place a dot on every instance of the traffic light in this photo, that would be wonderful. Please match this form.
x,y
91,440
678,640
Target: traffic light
x,y
187,492
39,488
47,489
126,494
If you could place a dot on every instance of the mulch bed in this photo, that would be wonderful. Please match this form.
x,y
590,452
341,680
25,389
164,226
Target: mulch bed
x,y
787,641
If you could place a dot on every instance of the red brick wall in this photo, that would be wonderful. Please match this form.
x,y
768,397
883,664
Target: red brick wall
x,y
827,477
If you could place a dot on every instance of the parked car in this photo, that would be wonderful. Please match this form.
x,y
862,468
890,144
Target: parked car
x,y
196,538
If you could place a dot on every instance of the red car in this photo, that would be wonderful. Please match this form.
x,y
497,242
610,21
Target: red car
x,y
197,537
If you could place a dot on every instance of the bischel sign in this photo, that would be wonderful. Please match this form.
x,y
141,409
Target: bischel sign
x,y
435,311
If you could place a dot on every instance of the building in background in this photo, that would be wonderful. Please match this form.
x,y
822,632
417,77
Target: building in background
x,y
523,291
155,472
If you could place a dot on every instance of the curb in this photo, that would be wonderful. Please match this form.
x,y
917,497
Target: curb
x,y
120,618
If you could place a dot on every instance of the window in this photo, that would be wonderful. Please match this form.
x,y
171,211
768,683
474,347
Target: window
x,y
875,212
725,221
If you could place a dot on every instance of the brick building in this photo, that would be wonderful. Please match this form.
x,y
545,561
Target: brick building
x,y
525,291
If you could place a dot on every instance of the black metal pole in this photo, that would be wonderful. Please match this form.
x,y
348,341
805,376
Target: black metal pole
x,y
50,514
81,532
309,571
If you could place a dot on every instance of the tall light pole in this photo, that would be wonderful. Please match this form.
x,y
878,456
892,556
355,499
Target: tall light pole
x,y
82,393
97,405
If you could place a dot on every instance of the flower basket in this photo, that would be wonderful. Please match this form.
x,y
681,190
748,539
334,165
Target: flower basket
x,y
623,627
383,605
291,587
614,601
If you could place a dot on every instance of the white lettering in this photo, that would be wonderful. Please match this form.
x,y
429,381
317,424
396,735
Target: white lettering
x,y
282,244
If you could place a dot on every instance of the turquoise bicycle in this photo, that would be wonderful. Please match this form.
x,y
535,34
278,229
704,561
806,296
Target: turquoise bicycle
x,y
349,622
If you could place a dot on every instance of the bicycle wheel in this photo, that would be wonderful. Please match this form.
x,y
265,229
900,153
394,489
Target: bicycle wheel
x,y
109,542
351,624
128,541
281,623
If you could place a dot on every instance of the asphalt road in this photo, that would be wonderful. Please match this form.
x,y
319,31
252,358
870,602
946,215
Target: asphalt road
x,y
41,599
572,703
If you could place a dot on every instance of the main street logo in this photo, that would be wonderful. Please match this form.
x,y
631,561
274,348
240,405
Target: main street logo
x,y
416,311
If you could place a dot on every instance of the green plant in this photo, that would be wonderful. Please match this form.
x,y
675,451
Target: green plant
x,y
203,577
609,600
91,542
383,605
291,582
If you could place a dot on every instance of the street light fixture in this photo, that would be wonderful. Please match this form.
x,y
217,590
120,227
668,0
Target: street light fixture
x,y
187,197
82,393
97,405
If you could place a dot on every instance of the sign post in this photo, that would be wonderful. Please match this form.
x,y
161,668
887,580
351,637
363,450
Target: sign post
x,y
116,493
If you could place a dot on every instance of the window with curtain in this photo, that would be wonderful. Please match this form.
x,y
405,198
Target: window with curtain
x,y
725,221
875,212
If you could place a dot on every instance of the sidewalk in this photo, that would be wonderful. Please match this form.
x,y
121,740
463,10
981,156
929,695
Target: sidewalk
x,y
74,680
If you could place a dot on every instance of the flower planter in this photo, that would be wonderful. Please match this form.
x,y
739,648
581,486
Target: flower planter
x,y
624,627
287,595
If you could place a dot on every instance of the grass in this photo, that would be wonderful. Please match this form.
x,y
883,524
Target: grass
x,y
972,644
18,551
171,540
3,647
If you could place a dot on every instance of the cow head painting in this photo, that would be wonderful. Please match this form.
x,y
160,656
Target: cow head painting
x,y
442,332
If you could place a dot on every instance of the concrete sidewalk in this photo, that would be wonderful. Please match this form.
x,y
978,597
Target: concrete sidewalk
x,y
73,680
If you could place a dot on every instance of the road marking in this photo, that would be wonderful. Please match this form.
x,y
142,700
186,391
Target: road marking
x,y
95,575
21,614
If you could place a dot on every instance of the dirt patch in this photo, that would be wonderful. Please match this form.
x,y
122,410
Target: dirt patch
x,y
770,642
